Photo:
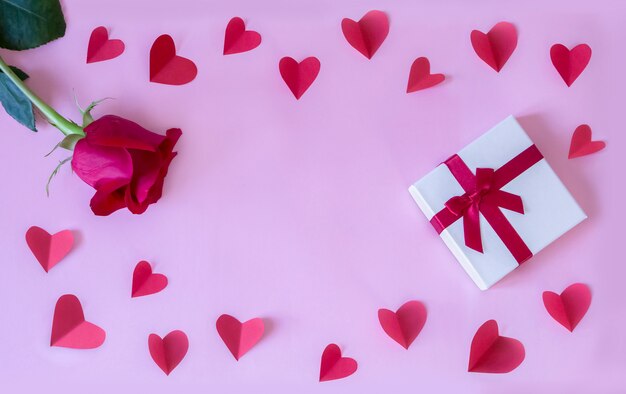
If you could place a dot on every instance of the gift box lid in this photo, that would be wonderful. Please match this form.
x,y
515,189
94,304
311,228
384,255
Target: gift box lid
x,y
549,208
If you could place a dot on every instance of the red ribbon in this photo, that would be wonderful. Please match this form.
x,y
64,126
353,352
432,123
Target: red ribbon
x,y
483,195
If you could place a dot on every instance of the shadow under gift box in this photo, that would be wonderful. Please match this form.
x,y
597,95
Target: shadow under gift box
x,y
549,210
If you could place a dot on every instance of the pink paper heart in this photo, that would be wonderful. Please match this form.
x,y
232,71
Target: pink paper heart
x,y
570,64
145,282
69,328
492,353
404,325
368,34
169,351
420,76
569,307
299,76
239,337
166,66
49,249
497,45
102,48
582,144
334,366
237,39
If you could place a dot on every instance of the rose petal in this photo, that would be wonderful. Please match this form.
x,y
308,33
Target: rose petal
x,y
104,203
98,165
147,169
111,130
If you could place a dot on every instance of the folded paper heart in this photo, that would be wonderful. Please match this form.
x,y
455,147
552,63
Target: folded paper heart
x,y
492,353
569,307
145,282
570,64
237,39
368,34
102,48
404,325
168,68
581,144
299,76
169,351
69,328
49,249
497,45
239,337
420,76
334,366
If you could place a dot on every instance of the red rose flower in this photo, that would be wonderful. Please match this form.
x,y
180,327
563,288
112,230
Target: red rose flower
x,y
124,162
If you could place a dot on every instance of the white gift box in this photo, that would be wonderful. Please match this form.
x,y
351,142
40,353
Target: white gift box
x,y
549,210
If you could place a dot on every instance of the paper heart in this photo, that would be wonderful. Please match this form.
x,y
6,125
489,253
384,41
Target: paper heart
x,y
492,353
404,325
570,306
145,282
168,352
101,48
570,64
239,337
299,76
69,328
497,46
237,39
168,68
582,144
333,366
420,76
368,34
49,249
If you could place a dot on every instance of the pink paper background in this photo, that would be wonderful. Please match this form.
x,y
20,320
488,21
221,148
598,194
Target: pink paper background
x,y
298,211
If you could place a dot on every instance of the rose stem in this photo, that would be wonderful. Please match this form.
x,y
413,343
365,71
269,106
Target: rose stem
x,y
51,115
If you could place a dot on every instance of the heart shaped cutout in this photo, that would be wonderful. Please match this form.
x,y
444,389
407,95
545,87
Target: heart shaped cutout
x,y
581,144
496,46
237,39
569,307
239,337
368,34
334,366
169,351
570,64
101,48
168,68
405,324
492,353
69,328
299,76
420,77
145,282
49,249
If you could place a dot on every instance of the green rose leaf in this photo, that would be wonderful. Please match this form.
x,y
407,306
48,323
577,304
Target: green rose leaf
x,y
26,24
14,101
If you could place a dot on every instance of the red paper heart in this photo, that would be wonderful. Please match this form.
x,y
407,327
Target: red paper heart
x,y
368,34
420,76
299,76
570,306
145,282
239,337
100,48
168,352
570,64
404,325
168,68
69,328
497,46
492,353
237,39
582,144
49,249
333,366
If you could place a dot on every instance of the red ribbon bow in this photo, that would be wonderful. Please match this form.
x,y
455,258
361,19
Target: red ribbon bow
x,y
483,195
